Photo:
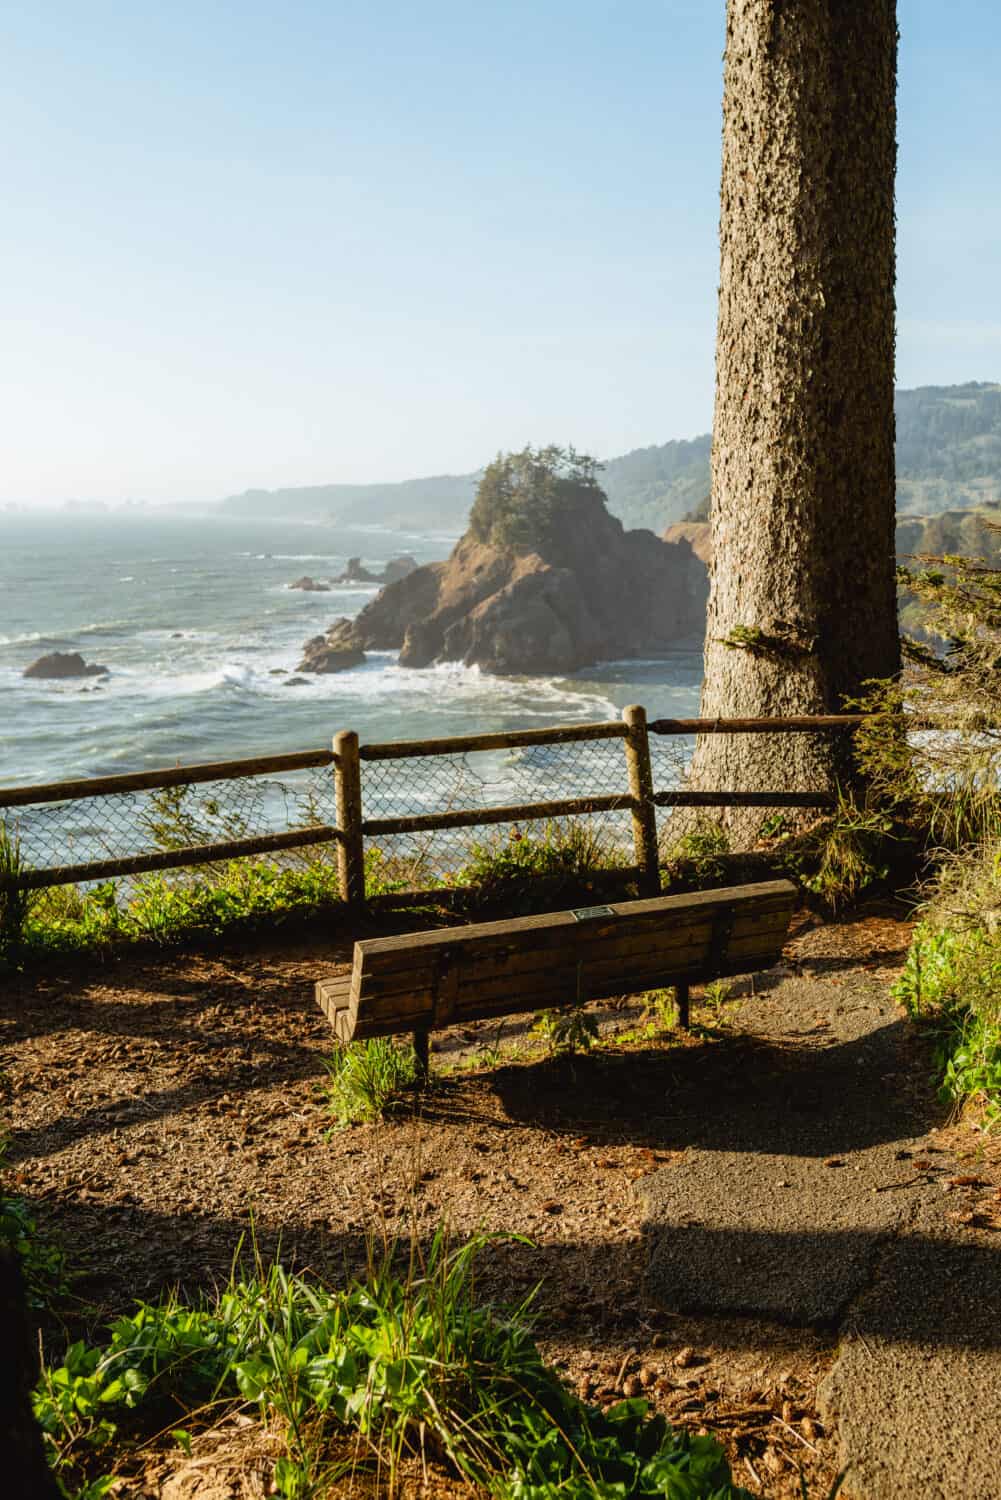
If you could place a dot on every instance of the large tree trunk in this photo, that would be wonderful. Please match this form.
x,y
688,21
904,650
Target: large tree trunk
x,y
802,606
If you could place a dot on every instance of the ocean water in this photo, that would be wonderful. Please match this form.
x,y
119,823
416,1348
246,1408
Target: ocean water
x,y
195,620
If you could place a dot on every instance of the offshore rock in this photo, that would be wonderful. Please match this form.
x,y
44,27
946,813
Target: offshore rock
x,y
321,655
64,664
310,585
355,573
395,569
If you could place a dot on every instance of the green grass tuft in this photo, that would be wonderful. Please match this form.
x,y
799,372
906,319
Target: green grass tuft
x,y
365,1079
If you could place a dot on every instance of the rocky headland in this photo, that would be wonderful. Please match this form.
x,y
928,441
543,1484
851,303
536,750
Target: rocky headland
x,y
580,590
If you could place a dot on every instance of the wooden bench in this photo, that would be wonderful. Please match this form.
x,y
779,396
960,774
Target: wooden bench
x,y
424,980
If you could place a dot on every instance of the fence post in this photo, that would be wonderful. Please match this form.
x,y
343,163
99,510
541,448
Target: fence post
x,y
350,845
644,809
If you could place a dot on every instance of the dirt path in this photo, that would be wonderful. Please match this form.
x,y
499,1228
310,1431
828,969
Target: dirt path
x,y
164,1106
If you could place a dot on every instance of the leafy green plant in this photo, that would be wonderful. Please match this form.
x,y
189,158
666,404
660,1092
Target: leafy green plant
x,y
662,1005
567,854
775,826
848,852
43,1262
699,855
715,996
566,1031
241,892
409,1358
366,1079
951,981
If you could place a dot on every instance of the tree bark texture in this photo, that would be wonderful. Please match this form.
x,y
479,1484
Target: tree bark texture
x,y
802,606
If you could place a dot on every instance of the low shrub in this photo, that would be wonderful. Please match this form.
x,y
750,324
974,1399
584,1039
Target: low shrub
x,y
410,1360
699,856
242,892
843,857
951,980
567,854
43,1262
566,1031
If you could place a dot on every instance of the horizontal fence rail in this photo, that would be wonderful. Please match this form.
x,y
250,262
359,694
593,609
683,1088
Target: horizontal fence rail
x,y
176,859
352,766
794,724
146,781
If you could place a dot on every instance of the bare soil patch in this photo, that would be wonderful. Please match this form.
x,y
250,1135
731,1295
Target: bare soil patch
x,y
166,1109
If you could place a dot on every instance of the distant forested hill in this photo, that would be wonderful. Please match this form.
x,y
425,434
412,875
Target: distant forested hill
x,y
948,458
654,486
948,447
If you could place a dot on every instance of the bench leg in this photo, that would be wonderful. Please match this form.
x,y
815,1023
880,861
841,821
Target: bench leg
x,y
422,1048
681,1017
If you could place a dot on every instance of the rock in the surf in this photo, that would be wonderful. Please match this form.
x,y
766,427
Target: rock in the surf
x,y
310,585
320,655
356,573
64,664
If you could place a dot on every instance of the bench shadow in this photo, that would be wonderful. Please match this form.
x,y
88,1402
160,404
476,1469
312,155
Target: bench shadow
x,y
742,1093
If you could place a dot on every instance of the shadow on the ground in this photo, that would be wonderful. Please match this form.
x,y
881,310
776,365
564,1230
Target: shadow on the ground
x,y
740,1093
574,1283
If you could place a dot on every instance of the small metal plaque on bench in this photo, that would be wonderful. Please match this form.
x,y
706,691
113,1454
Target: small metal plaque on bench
x,y
588,913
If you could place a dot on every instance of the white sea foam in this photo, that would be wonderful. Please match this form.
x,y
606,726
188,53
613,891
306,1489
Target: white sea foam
x,y
201,671
22,640
98,627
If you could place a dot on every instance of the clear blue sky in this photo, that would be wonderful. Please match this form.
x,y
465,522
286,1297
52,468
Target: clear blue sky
x,y
262,244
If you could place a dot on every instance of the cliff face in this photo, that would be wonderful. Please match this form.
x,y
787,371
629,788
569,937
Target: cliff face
x,y
600,593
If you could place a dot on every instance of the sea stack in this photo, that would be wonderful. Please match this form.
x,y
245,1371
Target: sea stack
x,y
544,582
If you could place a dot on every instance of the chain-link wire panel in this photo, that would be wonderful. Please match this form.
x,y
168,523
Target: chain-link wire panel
x,y
127,825
485,779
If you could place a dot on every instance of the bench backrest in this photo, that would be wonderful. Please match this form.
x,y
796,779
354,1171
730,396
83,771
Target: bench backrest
x,y
428,979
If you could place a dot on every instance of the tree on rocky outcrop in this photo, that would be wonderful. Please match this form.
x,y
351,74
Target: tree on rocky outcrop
x,y
802,598
526,499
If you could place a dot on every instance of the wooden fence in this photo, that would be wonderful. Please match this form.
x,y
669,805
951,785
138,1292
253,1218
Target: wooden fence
x,y
348,756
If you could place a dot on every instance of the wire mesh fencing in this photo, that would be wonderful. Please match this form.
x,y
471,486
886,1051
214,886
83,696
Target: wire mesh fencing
x,y
133,825
454,812
486,782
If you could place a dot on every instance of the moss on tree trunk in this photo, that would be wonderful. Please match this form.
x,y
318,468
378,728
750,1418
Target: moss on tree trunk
x,y
802,606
